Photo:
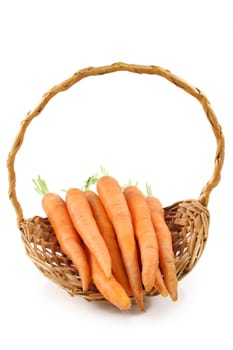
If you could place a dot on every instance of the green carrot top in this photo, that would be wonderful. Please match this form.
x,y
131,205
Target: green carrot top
x,y
40,186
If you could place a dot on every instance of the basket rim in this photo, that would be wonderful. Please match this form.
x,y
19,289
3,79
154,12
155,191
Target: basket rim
x,y
133,68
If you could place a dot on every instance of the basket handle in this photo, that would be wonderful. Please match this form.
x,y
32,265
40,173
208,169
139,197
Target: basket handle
x,y
141,69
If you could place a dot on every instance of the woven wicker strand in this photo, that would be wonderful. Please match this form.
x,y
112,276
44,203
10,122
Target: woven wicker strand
x,y
188,220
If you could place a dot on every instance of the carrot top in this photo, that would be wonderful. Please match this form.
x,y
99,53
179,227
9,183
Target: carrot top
x,y
40,186
149,190
90,181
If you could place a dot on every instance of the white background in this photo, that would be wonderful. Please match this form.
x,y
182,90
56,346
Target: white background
x,y
138,127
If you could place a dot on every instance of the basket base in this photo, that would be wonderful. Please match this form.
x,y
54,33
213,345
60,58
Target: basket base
x,y
187,220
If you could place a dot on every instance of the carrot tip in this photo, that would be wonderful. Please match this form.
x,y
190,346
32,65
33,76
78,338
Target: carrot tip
x,y
142,308
84,288
174,297
164,293
148,288
140,304
127,306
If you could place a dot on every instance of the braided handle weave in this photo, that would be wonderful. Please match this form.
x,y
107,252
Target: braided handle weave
x,y
140,69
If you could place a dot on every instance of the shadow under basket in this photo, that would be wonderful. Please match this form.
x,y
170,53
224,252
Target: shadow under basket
x,y
188,220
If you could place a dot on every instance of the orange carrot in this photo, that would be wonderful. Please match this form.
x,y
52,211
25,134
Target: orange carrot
x,y
145,235
108,233
110,288
160,285
166,254
84,222
114,202
69,240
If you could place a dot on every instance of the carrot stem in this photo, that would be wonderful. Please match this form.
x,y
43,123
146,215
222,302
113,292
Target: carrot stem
x,y
149,190
90,181
40,186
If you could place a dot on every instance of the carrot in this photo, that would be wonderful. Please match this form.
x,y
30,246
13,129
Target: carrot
x,y
145,235
108,233
166,254
69,240
110,288
114,202
160,285
84,222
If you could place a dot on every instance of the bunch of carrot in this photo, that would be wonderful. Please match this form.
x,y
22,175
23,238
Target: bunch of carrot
x,y
116,238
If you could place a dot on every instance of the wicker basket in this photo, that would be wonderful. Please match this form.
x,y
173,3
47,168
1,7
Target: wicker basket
x,y
188,220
